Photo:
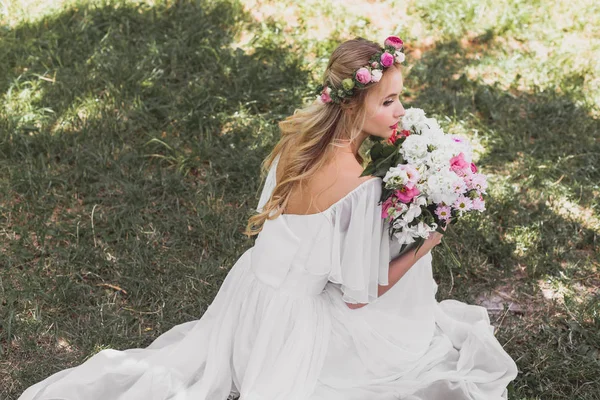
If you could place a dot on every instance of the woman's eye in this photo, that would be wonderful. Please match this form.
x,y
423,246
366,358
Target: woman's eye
x,y
388,102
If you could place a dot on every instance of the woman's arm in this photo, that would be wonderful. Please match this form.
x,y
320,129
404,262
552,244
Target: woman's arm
x,y
400,265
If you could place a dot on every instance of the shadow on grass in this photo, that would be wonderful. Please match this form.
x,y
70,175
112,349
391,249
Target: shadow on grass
x,y
130,137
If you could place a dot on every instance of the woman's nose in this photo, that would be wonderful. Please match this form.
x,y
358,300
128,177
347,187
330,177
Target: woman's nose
x,y
400,112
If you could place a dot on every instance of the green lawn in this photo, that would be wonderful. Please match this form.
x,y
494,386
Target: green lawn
x,y
131,135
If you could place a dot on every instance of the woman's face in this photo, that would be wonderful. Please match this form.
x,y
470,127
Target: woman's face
x,y
384,108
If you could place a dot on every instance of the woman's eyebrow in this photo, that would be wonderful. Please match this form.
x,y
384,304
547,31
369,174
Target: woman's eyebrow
x,y
393,94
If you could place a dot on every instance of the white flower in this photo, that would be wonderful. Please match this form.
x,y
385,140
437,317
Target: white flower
x,y
423,229
405,236
440,186
411,117
413,212
414,149
399,57
420,201
463,204
376,75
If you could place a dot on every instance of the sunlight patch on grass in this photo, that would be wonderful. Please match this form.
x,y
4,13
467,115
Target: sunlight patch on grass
x,y
22,101
574,212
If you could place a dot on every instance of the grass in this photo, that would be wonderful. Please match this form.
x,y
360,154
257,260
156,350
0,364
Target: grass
x,y
131,135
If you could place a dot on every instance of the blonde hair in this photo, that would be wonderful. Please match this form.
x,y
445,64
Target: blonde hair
x,y
309,135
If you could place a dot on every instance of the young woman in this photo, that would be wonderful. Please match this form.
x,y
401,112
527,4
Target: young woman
x,y
320,308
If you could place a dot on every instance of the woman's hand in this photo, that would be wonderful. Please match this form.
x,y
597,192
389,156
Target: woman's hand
x,y
433,240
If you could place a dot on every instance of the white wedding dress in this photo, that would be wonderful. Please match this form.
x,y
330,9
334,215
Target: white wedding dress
x,y
279,329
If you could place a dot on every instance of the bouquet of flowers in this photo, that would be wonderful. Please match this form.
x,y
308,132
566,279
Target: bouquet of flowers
x,y
429,179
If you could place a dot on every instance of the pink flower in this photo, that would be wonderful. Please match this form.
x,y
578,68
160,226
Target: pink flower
x,y
393,41
473,168
463,204
386,206
460,186
375,64
478,204
392,139
406,194
478,182
325,97
387,59
363,75
404,133
458,163
411,173
443,213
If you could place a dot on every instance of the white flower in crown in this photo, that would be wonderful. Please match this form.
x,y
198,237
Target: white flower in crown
x,y
399,57
376,75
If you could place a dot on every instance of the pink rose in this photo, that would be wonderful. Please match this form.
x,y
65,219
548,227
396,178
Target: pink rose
x,y
387,59
363,75
473,168
325,97
404,133
405,194
375,64
393,41
458,163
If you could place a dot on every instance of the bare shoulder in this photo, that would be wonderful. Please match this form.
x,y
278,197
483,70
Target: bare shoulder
x,y
345,173
333,182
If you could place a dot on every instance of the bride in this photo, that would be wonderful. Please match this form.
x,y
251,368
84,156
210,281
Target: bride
x,y
320,308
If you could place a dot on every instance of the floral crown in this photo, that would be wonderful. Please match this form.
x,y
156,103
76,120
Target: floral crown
x,y
392,52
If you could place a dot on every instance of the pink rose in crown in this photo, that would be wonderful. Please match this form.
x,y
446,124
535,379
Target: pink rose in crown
x,y
387,59
458,163
325,97
406,194
363,76
394,41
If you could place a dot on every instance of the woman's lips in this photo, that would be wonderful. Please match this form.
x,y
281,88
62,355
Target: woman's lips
x,y
394,126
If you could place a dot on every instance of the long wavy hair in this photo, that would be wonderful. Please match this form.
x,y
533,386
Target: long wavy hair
x,y
309,135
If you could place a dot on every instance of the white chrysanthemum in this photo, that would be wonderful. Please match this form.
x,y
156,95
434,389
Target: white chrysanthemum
x,y
414,149
412,117
430,127
440,186
439,158
459,144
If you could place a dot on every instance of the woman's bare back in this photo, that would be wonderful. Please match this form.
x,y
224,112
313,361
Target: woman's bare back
x,y
329,185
